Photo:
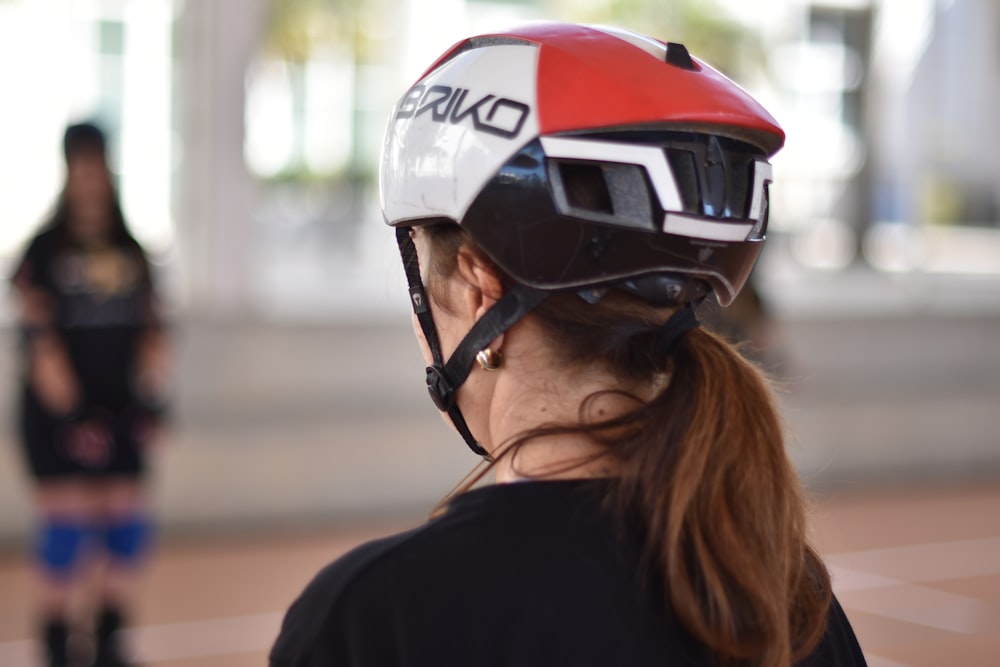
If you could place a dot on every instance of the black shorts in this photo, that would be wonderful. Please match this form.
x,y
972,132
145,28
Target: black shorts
x,y
46,442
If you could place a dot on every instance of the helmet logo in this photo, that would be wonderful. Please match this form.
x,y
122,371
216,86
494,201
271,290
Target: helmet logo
x,y
500,116
417,297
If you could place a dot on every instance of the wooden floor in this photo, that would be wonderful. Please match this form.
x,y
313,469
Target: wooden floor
x,y
917,569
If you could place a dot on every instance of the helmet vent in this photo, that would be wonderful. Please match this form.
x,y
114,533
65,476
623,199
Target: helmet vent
x,y
678,56
585,188
685,170
612,193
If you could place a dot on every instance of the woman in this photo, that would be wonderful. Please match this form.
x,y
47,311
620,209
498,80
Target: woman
x,y
564,197
93,383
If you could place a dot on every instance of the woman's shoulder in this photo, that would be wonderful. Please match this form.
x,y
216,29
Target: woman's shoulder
x,y
44,241
390,561
369,560
327,617
37,251
311,615
489,541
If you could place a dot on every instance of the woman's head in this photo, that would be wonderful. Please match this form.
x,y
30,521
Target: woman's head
x,y
567,362
571,178
88,211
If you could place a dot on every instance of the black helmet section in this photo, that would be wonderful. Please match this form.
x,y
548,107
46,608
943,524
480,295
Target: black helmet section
x,y
445,377
557,223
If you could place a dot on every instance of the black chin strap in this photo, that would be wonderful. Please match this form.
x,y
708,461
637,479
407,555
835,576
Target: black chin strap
x,y
684,319
444,378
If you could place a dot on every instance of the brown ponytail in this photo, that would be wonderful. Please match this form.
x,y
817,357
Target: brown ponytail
x,y
703,469
722,508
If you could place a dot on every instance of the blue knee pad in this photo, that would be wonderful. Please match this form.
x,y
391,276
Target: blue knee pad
x,y
60,546
128,539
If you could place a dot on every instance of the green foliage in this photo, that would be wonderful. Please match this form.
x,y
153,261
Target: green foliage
x,y
296,29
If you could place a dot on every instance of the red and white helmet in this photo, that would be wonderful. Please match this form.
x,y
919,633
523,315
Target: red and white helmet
x,y
585,157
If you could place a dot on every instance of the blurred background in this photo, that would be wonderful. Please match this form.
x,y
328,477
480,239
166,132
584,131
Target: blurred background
x,y
245,138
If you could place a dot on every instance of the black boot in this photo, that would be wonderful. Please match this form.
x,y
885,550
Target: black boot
x,y
107,646
56,638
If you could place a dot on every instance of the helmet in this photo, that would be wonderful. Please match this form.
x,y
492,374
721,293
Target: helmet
x,y
578,159
582,158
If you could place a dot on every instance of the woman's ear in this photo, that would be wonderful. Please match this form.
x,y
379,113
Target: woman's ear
x,y
485,286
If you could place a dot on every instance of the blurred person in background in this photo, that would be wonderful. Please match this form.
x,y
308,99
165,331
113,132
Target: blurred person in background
x,y
563,198
94,376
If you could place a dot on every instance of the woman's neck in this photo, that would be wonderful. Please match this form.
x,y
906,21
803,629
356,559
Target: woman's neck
x,y
527,399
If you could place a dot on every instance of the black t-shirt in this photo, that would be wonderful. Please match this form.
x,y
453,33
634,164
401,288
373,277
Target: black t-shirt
x,y
522,574
101,301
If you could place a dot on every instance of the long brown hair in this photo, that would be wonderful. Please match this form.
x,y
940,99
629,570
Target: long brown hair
x,y
701,466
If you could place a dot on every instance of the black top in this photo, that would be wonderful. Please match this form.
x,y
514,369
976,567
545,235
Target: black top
x,y
101,300
518,574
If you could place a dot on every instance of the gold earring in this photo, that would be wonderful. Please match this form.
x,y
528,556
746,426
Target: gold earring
x,y
489,360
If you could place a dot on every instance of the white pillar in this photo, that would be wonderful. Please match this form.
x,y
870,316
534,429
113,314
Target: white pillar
x,y
216,41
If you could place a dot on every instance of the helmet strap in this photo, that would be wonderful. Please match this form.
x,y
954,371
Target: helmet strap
x,y
445,377
684,319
